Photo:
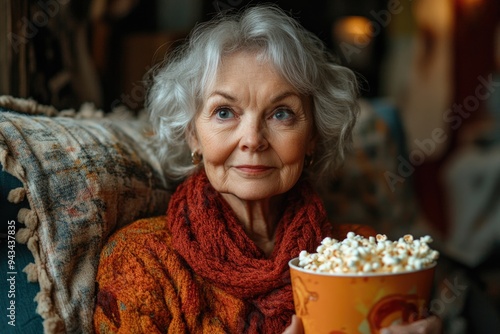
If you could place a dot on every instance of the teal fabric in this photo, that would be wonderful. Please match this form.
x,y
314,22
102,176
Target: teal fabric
x,y
22,292
27,321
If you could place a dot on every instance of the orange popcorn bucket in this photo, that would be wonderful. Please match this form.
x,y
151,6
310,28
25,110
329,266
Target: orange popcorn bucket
x,y
359,303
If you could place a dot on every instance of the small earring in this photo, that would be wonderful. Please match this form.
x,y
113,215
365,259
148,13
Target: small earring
x,y
196,158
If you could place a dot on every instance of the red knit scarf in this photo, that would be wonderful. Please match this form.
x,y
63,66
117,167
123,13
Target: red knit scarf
x,y
207,234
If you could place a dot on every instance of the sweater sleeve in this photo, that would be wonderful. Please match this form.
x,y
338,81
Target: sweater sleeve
x,y
135,293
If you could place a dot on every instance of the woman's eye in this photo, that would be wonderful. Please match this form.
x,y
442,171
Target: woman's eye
x,y
224,113
283,114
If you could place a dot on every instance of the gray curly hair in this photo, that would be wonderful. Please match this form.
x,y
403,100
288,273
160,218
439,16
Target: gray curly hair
x,y
178,85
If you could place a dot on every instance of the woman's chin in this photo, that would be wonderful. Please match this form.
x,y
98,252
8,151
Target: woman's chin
x,y
254,193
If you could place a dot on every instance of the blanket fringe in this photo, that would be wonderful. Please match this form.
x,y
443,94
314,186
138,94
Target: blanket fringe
x,y
52,323
16,195
87,110
31,273
27,106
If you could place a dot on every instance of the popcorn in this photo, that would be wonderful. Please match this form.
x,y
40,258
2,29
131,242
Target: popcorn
x,y
359,255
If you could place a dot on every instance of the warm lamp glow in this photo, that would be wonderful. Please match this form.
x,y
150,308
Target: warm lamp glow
x,y
354,30
436,15
471,3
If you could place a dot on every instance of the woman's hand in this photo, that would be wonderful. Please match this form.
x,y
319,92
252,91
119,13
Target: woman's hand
x,y
295,327
430,325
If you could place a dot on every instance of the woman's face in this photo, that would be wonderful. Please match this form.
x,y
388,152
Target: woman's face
x,y
254,130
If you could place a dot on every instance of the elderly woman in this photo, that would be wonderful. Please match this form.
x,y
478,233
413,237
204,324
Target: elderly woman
x,y
249,113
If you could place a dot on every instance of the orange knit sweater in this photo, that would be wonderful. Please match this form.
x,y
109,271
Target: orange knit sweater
x,y
158,275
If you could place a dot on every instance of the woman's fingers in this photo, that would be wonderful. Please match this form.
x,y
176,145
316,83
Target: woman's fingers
x,y
430,325
295,327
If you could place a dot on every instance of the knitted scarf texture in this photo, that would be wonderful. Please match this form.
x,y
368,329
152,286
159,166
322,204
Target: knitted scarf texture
x,y
209,237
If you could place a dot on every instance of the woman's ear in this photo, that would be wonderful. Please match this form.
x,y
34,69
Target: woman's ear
x,y
311,145
314,137
192,138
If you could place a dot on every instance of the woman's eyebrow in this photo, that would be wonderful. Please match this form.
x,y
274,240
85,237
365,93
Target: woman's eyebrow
x,y
223,94
284,95
275,99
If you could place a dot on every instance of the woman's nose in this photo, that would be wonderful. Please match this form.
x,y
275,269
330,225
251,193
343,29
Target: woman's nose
x,y
253,136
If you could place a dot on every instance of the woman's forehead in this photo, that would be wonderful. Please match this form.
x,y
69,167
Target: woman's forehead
x,y
243,63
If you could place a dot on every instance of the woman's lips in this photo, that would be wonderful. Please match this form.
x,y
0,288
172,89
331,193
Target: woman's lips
x,y
253,169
